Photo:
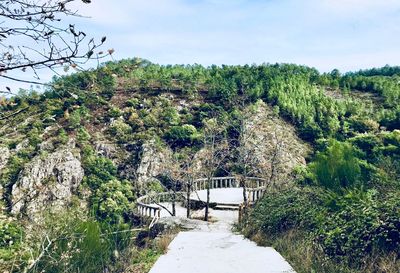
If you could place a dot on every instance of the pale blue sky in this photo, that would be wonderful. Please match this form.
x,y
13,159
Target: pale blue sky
x,y
326,34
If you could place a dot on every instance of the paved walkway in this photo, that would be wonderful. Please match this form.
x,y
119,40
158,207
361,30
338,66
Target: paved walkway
x,y
213,248
221,196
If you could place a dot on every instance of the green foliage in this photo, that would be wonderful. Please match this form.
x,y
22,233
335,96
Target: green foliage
x,y
120,128
62,136
78,117
133,102
113,201
11,245
34,137
146,258
349,227
360,226
292,208
80,245
82,135
14,166
171,116
114,112
98,170
180,136
337,167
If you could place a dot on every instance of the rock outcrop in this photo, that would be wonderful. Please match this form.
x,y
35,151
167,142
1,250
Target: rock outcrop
x,y
273,143
153,161
4,156
47,183
106,149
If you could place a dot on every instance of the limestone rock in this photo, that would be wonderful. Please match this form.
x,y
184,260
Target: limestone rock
x,y
106,149
4,156
47,183
278,149
153,161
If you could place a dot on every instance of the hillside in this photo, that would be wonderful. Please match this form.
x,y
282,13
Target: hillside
x,y
74,159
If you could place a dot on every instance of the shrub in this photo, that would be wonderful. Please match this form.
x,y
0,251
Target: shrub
x,y
291,208
361,225
113,201
34,137
62,136
82,135
179,136
98,170
120,128
171,116
114,112
10,234
337,167
133,102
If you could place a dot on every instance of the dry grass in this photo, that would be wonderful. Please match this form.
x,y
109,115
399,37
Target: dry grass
x,y
305,257
163,242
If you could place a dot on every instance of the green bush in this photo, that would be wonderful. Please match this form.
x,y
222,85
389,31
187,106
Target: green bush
x,y
362,225
62,136
114,112
82,246
120,128
113,201
337,167
78,117
82,135
133,102
10,234
289,209
98,170
180,136
171,116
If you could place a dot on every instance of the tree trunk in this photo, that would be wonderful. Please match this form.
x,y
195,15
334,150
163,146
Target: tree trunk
x,y
243,184
208,200
188,200
173,204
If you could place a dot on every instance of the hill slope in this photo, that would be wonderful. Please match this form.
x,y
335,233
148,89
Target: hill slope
x,y
98,139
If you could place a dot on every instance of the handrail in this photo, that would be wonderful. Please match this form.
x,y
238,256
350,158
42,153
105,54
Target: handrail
x,y
146,205
154,221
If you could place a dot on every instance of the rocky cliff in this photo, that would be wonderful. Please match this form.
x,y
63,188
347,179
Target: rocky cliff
x,y
47,183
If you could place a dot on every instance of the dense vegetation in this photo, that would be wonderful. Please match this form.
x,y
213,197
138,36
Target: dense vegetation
x,y
344,206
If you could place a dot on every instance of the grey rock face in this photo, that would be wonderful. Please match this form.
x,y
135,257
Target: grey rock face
x,y
47,183
105,149
153,162
4,156
274,144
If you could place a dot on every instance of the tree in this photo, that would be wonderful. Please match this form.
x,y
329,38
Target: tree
x,y
337,167
184,169
214,153
32,38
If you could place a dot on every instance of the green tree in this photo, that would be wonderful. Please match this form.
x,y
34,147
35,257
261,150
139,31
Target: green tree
x,y
337,167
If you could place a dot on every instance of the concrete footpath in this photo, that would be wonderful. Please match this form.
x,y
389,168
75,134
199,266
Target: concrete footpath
x,y
213,248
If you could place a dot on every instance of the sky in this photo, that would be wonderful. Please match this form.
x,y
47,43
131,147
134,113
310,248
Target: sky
x,y
325,34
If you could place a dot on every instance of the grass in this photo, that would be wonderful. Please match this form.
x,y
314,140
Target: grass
x,y
305,257
141,260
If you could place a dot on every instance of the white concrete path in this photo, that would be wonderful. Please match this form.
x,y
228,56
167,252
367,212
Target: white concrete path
x,y
221,196
213,248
